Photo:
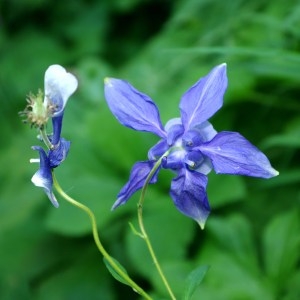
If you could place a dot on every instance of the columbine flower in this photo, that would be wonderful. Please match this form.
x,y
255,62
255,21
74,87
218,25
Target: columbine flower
x,y
189,145
59,86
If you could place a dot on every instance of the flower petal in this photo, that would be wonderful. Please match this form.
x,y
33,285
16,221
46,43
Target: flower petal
x,y
204,98
59,153
174,160
56,126
206,130
132,108
205,166
59,86
138,175
174,129
194,159
158,150
188,191
231,153
43,177
198,135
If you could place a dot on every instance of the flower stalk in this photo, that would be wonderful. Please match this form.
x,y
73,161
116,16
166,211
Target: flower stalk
x,y
144,234
98,243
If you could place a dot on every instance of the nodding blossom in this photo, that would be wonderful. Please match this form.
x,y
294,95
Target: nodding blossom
x,y
189,145
59,86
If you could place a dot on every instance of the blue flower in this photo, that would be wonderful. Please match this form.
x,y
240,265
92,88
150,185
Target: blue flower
x,y
59,86
189,145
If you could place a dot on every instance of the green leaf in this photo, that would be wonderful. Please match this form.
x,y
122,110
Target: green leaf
x,y
281,247
234,234
228,279
283,140
289,138
77,277
193,281
223,189
293,288
113,272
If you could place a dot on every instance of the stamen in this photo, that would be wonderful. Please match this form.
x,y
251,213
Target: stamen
x,y
189,143
191,163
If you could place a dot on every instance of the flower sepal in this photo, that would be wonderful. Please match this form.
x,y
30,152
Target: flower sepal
x,y
43,177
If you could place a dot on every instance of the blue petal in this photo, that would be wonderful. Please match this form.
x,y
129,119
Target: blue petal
x,y
43,177
138,175
132,108
188,191
59,153
174,129
56,125
231,153
204,98
158,150
205,166
206,130
198,135
194,159
192,138
174,160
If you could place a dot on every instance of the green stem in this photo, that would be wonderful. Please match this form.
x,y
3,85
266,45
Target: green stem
x,y
143,231
45,138
99,245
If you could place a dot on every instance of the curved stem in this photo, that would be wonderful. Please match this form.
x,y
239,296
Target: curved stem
x,y
45,138
99,245
143,231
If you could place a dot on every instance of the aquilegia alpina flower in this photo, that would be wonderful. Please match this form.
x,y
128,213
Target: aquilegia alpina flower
x,y
189,145
59,86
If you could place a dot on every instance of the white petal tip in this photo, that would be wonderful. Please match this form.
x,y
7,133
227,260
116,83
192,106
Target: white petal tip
x,y
274,172
55,204
108,81
202,225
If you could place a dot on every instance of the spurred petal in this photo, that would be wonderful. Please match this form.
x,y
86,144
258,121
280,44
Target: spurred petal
x,y
138,175
158,150
231,153
194,159
188,191
204,98
56,125
206,130
174,160
43,177
132,108
174,129
198,135
59,86
205,166
59,153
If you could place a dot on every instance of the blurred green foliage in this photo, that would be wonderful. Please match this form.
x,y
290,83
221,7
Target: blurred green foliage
x,y
251,240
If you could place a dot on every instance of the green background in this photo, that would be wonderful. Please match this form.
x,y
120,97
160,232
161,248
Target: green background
x,y
251,239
